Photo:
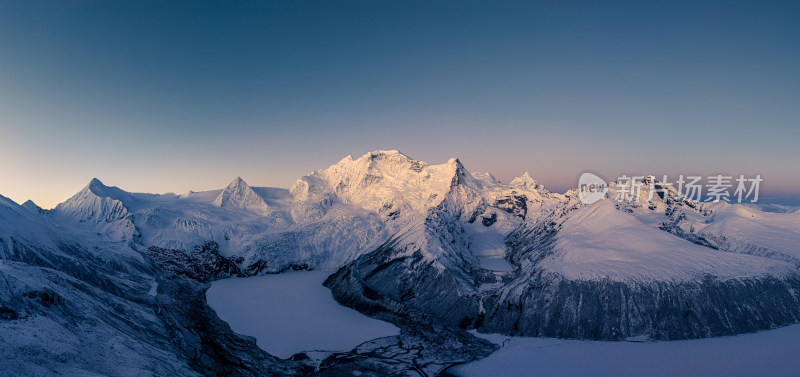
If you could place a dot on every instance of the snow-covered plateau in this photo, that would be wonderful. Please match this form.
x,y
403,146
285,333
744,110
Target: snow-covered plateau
x,y
111,282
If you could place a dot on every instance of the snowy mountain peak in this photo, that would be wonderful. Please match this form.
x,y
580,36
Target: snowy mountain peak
x,y
386,153
514,254
385,182
384,160
31,206
460,173
92,192
97,188
103,206
525,182
239,194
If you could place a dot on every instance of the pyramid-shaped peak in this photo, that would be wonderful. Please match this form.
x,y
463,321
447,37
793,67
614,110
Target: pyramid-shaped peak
x,y
32,207
98,188
98,203
29,203
460,174
238,182
238,194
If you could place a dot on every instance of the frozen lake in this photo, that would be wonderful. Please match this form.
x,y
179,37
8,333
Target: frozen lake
x,y
768,353
292,312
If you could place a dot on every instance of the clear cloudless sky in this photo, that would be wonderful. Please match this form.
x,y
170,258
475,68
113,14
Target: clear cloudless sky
x,y
164,96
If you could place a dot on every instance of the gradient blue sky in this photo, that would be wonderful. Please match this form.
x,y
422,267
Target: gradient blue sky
x,y
166,96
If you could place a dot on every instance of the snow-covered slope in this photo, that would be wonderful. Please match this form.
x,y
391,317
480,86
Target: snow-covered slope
x,y
604,271
71,306
149,256
460,247
781,204
101,210
600,242
746,230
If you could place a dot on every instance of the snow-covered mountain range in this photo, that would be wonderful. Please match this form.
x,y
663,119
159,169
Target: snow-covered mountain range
x,y
407,239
